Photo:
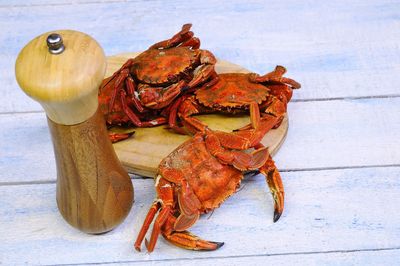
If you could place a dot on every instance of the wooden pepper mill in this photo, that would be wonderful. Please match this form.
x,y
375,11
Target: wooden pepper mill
x,y
62,71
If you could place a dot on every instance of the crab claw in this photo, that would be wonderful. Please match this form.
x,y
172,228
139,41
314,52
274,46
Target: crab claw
x,y
183,37
276,76
187,240
159,97
274,181
206,69
277,215
251,161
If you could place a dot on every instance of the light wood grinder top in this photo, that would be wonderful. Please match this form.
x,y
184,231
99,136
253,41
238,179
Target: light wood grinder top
x,y
62,70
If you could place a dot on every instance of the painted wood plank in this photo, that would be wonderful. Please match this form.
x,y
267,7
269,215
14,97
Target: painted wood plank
x,y
335,50
25,140
347,133
46,3
362,258
331,134
326,211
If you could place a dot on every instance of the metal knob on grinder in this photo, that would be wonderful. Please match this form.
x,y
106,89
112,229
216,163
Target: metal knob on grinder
x,y
55,43
62,70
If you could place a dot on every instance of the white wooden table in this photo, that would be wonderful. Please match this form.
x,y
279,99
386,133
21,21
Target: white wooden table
x,y
340,163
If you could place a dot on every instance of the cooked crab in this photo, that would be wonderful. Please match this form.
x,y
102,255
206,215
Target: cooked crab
x,y
233,93
205,170
153,79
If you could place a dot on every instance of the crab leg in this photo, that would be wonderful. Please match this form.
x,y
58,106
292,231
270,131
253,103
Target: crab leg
x,y
189,204
275,184
173,115
193,124
188,108
121,75
254,115
189,241
125,66
146,224
166,201
117,87
273,108
158,223
154,122
189,207
131,88
166,224
250,136
132,116
115,137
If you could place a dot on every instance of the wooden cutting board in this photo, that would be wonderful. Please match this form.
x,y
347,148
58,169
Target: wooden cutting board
x,y
142,153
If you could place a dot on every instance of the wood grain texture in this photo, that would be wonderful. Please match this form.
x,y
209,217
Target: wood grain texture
x,y
333,134
326,211
94,192
335,50
142,153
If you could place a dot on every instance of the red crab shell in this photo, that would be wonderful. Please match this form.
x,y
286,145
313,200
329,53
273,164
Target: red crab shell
x,y
233,90
164,66
211,181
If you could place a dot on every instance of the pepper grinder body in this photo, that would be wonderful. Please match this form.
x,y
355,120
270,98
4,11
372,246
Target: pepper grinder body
x,y
94,192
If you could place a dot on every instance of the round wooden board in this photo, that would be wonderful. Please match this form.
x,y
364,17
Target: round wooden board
x,y
142,153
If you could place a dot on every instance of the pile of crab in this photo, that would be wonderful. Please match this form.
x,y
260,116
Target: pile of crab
x,y
170,83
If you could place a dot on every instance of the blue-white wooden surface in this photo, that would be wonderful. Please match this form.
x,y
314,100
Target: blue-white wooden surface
x,y
340,163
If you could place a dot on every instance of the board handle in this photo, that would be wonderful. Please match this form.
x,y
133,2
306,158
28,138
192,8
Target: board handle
x,y
62,70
